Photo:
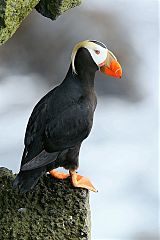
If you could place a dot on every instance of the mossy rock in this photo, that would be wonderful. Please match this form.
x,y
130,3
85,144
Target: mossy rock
x,y
13,12
54,8
53,210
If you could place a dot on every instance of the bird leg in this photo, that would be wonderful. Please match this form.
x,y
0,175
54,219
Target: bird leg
x,y
81,182
59,175
77,180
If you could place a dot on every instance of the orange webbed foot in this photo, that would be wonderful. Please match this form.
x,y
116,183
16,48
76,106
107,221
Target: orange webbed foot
x,y
81,182
59,175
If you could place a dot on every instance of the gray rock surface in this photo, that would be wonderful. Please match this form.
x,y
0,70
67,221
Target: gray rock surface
x,y
53,210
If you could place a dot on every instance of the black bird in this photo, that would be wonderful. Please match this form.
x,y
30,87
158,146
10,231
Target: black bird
x,y
63,118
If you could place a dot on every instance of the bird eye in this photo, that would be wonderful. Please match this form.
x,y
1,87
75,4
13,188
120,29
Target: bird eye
x,y
97,51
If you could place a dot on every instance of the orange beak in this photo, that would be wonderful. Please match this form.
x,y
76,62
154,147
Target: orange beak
x,y
113,70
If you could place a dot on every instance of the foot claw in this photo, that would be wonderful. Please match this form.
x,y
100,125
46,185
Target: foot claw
x,y
82,182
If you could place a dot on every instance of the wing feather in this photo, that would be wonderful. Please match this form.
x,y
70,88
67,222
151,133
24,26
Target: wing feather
x,y
57,122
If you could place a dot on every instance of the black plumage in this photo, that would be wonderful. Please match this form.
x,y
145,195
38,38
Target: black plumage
x,y
59,123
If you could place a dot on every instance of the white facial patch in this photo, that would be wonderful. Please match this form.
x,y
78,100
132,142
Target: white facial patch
x,y
98,54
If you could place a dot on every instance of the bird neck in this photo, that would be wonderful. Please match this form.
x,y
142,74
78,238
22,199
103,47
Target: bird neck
x,y
84,77
87,78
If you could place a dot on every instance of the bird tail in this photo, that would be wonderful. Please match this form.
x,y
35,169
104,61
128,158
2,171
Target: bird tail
x,y
31,171
26,180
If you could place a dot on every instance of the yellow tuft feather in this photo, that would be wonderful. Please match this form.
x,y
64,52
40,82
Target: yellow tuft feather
x,y
85,44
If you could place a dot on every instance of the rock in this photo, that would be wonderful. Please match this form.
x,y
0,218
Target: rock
x,y
53,210
13,12
54,8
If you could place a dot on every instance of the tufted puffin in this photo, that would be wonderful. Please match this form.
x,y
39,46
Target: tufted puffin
x,y
63,118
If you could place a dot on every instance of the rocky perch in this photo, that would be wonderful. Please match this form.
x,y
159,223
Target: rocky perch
x,y
53,210
13,12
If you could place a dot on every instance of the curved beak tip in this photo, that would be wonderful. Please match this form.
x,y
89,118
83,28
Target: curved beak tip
x,y
114,70
119,73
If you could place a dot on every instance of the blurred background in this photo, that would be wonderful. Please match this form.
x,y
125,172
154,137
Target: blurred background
x,y
121,154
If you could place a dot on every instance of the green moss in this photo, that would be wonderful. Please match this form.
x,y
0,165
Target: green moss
x,y
2,12
54,210
53,8
12,14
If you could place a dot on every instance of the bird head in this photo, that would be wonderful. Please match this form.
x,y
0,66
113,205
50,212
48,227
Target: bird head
x,y
98,54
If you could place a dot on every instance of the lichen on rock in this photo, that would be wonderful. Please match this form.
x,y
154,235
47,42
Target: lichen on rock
x,y
53,8
53,210
2,12
13,12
